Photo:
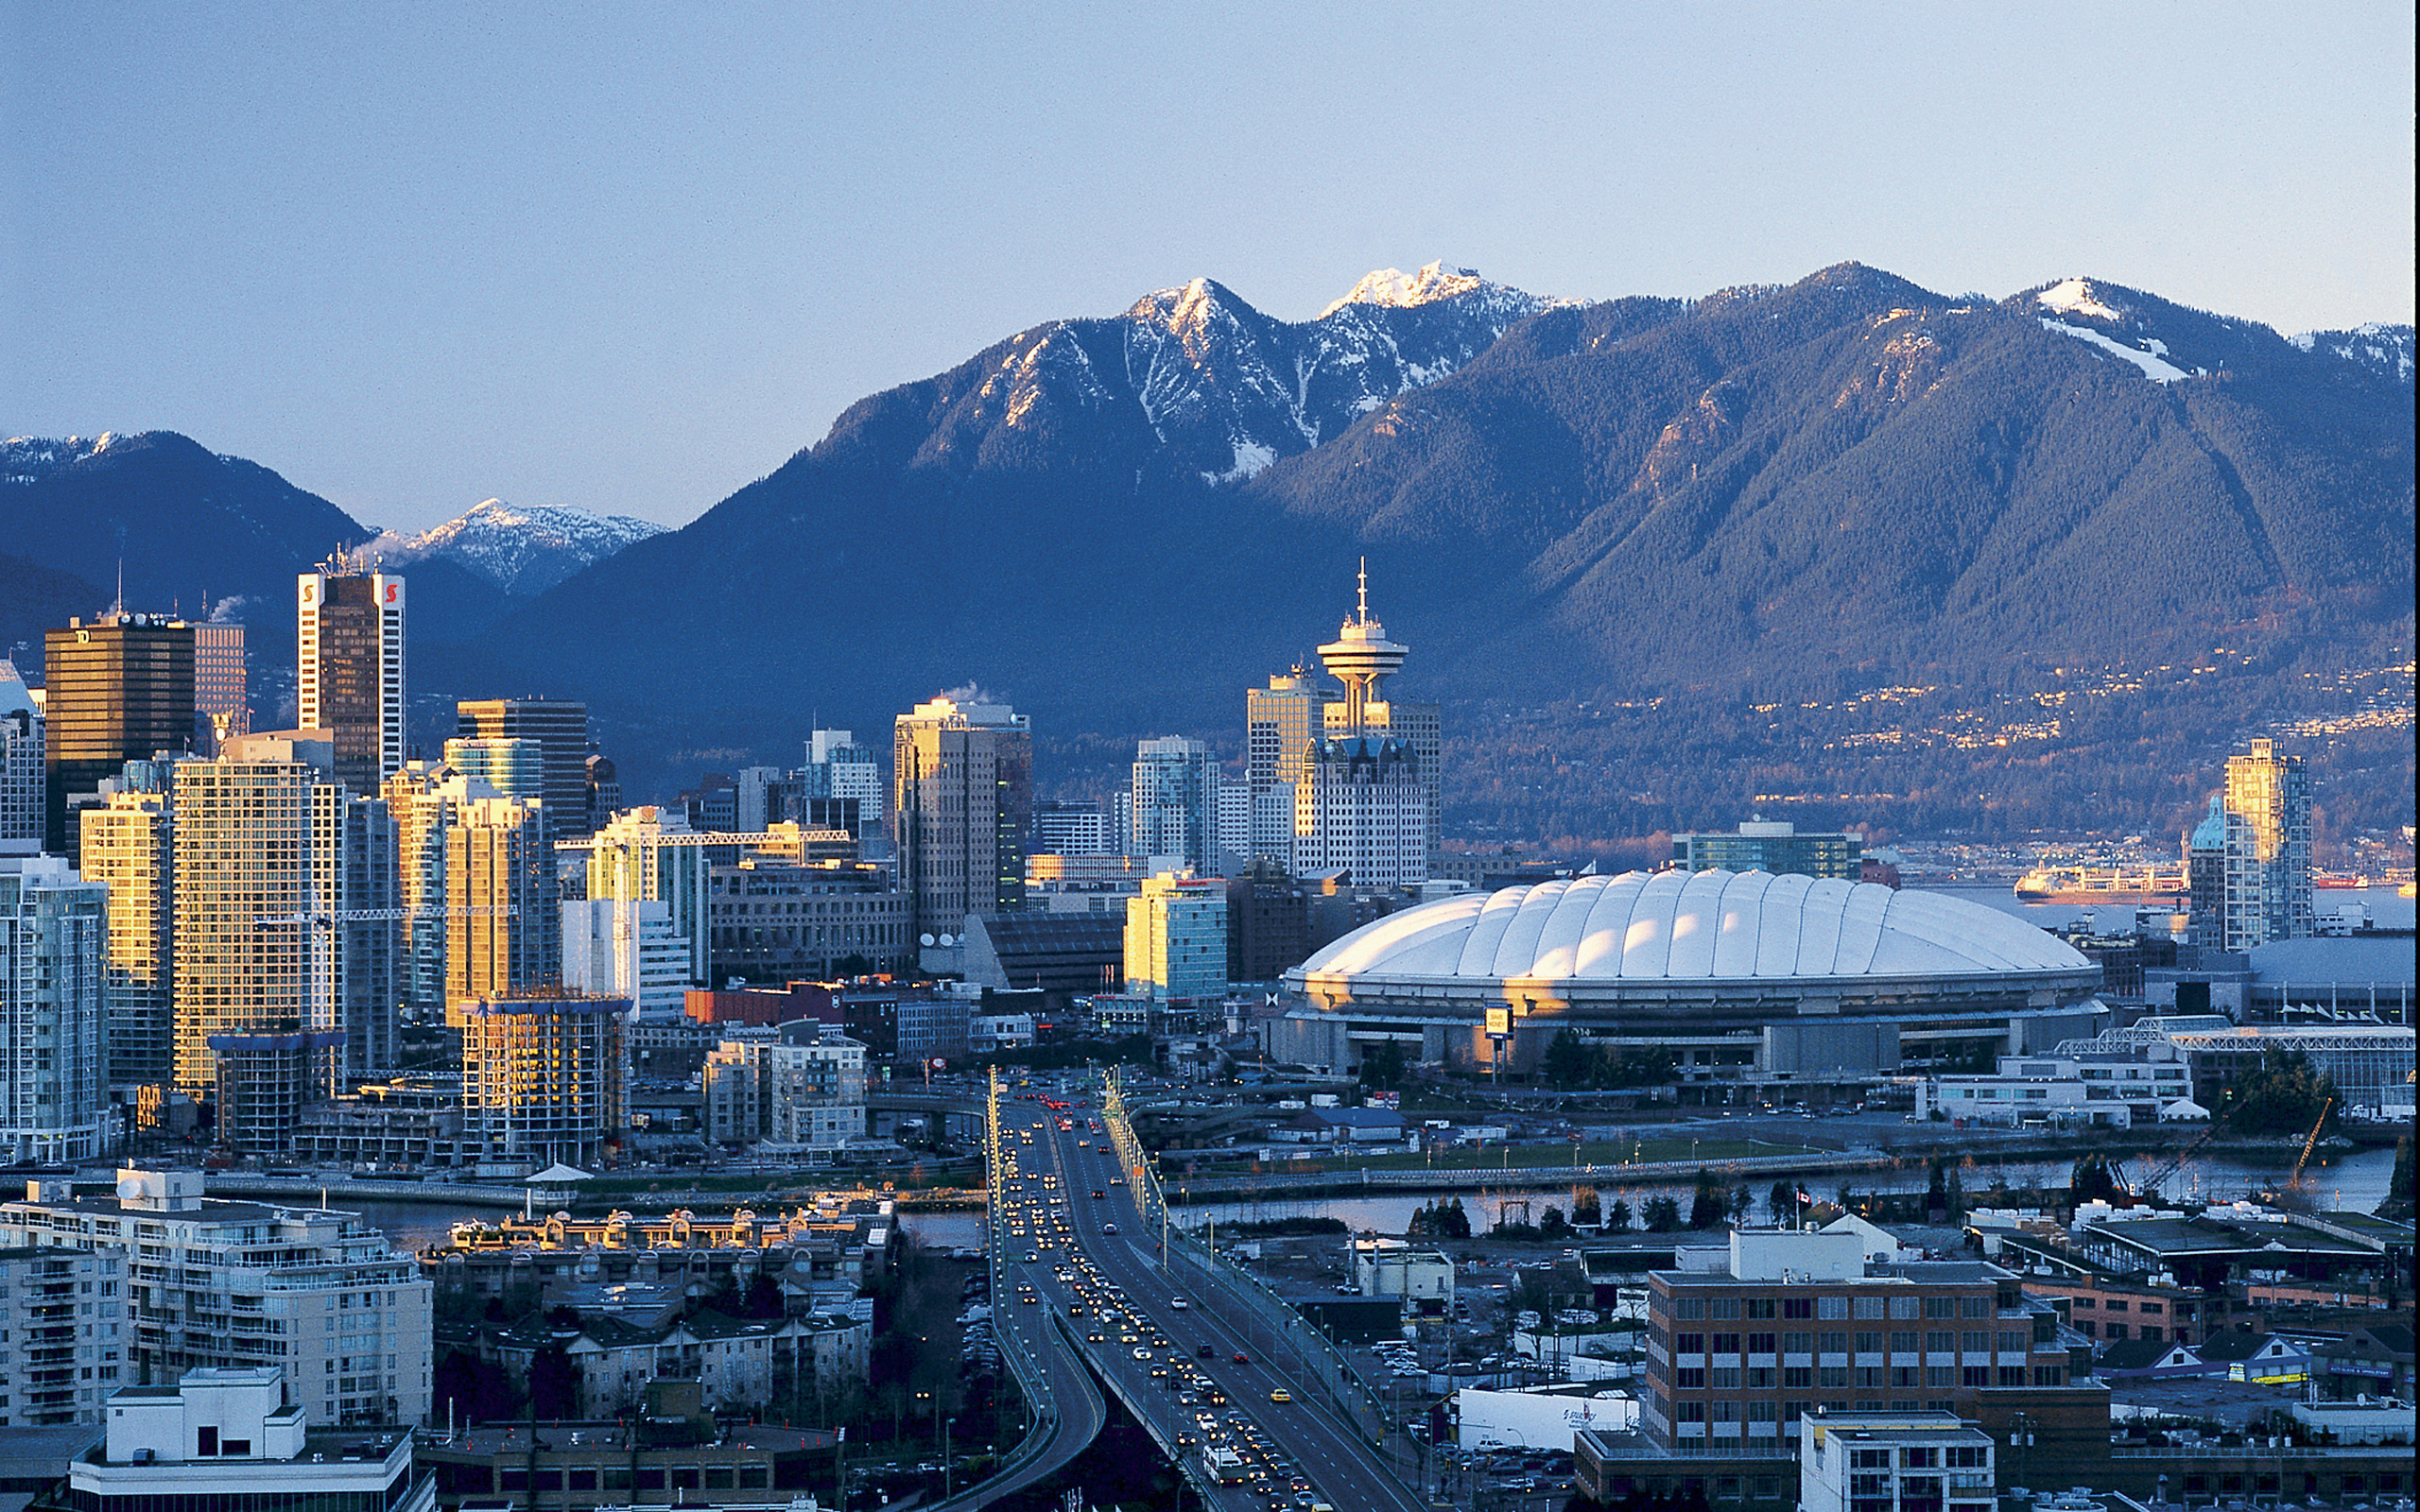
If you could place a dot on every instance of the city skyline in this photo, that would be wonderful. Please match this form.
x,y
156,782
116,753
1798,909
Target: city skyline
x,y
634,268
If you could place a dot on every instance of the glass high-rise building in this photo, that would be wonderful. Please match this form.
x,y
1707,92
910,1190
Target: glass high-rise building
x,y
1172,802
222,706
129,848
53,1010
119,689
22,771
962,806
560,727
349,671
2268,861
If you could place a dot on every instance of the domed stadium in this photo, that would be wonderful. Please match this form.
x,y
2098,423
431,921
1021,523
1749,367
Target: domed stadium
x,y
1738,977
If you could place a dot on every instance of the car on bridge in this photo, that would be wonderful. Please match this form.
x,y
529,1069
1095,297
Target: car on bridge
x,y
1281,1395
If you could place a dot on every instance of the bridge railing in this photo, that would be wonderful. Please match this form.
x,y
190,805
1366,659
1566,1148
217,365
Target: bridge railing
x,y
1240,1295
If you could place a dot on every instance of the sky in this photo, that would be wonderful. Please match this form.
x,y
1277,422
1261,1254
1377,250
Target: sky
x,y
632,257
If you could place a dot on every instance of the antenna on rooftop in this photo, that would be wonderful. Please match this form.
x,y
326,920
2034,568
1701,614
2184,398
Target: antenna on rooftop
x,y
1362,612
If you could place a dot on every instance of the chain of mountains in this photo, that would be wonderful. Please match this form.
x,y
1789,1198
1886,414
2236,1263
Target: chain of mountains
x,y
1844,550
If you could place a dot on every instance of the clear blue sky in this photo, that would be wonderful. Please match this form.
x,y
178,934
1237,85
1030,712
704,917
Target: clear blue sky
x,y
632,257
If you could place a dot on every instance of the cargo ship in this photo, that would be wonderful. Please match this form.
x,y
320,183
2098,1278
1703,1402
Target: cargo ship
x,y
2101,884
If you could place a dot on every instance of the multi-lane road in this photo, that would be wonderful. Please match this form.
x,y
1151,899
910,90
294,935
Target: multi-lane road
x,y
1211,1382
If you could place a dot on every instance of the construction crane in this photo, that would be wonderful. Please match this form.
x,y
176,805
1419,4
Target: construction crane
x,y
2148,1187
320,921
2311,1142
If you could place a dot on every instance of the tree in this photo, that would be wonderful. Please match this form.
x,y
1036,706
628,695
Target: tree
x,y
1782,1201
1569,1061
1742,1202
2093,1180
554,1384
2284,1095
1709,1204
1553,1225
1617,1216
1586,1206
1382,1066
1663,1215
2397,1203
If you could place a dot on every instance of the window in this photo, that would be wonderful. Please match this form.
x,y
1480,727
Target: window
x,y
1941,1306
1798,1343
1760,1307
1919,1458
1798,1377
1974,1307
2117,1304
1726,1343
1869,1459
1869,1306
1903,1341
1906,1306
1974,1375
2116,1331
2087,1302
1941,1375
2012,1342
1869,1342
1835,1343
2150,1307
1974,1341
1727,1378
1725,1307
1688,1344
2011,1375
1831,1307
1726,1411
1798,1307
2049,1375
1689,1412
1689,1377
1688,1308
1760,1344
1940,1341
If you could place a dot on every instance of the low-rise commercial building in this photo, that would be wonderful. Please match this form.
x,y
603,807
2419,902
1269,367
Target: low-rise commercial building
x,y
228,1440
1895,1462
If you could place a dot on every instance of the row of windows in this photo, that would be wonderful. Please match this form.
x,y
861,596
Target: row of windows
x,y
1720,1308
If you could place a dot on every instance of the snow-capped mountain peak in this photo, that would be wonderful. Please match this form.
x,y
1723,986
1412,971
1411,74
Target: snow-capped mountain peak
x,y
524,550
2078,296
2385,350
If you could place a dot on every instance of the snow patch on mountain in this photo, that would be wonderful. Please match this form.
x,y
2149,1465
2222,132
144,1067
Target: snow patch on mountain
x,y
2154,368
2076,296
2386,350
522,550
31,459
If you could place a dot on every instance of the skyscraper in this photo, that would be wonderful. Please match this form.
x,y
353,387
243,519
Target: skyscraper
x,y
1281,722
514,766
1172,802
2206,876
53,1010
504,932
1176,939
646,855
129,848
425,799
560,728
2268,861
545,1075
119,689
221,695
1361,744
349,670
283,985
23,770
961,804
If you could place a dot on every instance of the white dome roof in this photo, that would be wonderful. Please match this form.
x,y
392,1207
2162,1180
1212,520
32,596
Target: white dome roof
x,y
1695,926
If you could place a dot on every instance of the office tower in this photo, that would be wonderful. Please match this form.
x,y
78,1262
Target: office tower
x,y
646,855
23,769
285,973
1176,939
628,948
514,766
504,928
222,707
2206,876
1172,802
838,768
53,1010
1066,828
129,848
560,728
1770,845
1359,806
962,803
2269,880
603,793
252,1285
781,920
545,1075
117,689
1281,722
349,670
